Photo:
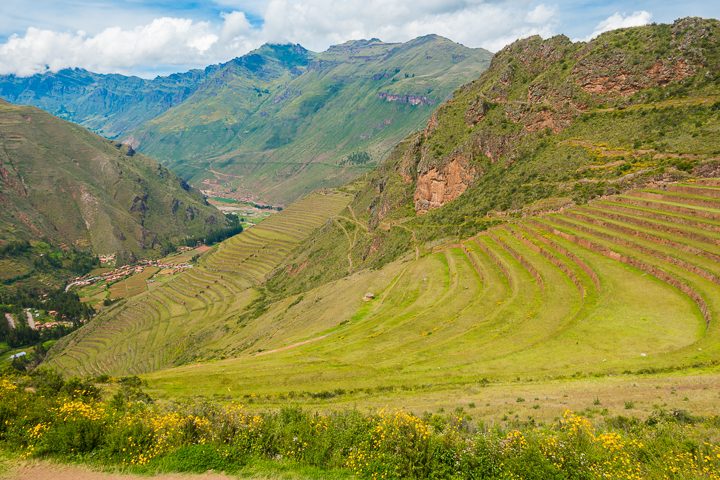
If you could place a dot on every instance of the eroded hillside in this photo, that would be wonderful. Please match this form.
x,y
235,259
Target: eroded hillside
x,y
69,187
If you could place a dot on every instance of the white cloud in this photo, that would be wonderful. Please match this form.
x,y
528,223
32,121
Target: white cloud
x,y
167,42
475,23
619,20
541,14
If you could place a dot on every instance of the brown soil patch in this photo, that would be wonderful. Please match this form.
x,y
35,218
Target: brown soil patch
x,y
52,471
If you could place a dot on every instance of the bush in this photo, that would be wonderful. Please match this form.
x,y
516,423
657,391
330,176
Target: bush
x,y
69,421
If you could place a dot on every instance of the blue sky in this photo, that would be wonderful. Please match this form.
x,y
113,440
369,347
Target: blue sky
x,y
162,36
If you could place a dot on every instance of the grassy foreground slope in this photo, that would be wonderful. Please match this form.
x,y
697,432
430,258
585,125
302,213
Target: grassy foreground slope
x,y
628,283
182,318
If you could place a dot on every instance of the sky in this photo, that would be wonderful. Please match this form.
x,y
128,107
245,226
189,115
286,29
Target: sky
x,y
153,37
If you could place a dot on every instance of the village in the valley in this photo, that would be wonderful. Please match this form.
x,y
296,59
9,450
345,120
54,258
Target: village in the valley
x,y
37,319
125,271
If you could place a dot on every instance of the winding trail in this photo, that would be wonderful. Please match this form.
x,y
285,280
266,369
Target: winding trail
x,y
290,347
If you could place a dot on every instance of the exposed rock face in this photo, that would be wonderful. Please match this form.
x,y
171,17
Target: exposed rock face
x,y
440,185
615,78
536,87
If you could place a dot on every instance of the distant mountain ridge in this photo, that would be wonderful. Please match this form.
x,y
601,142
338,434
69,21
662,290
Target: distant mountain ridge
x,y
107,104
274,123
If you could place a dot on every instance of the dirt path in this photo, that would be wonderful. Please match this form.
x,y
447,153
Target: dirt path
x,y
351,244
51,471
10,320
30,320
290,347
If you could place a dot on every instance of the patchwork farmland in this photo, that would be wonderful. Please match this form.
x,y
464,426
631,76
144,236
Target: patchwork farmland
x,y
626,284
171,321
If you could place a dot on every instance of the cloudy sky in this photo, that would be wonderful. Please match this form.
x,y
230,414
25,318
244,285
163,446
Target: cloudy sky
x,y
149,37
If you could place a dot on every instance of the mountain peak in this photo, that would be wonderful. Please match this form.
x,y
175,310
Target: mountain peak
x,y
357,44
288,54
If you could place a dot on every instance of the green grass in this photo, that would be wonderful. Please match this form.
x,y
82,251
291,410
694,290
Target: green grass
x,y
133,285
538,299
186,316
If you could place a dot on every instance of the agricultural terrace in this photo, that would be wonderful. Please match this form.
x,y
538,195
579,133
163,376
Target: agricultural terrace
x,y
169,323
628,284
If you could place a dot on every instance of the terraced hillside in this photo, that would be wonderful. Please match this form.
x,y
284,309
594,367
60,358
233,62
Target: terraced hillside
x,y
180,319
626,283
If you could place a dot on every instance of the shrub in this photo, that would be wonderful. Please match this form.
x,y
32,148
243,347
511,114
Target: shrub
x,y
72,423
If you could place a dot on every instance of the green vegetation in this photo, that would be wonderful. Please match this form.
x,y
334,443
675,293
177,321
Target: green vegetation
x,y
76,191
70,421
37,264
356,158
19,332
190,315
315,110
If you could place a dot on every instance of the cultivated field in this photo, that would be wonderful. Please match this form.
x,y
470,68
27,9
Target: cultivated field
x,y
626,285
176,320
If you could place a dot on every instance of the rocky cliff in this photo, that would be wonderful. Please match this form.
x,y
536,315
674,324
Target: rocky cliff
x,y
537,87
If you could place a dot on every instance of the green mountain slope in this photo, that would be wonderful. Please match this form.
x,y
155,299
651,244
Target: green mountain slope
x,y
67,186
551,123
281,121
558,217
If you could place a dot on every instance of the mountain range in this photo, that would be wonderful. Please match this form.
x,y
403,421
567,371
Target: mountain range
x,y
273,124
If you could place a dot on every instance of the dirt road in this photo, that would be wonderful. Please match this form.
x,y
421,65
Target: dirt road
x,y
30,320
51,471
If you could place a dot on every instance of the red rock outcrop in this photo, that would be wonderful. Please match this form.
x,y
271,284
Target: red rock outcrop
x,y
439,185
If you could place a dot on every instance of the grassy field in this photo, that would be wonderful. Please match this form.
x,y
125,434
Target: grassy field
x,y
625,287
180,319
133,285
